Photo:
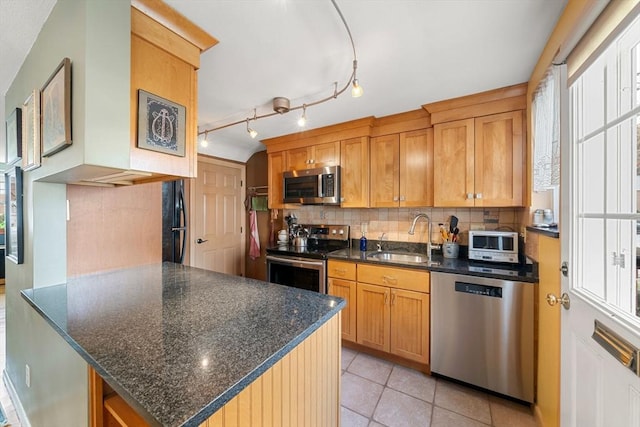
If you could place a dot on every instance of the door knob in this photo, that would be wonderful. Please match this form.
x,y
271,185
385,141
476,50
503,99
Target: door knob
x,y
200,241
564,300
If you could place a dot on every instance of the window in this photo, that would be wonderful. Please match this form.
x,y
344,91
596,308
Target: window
x,y
605,116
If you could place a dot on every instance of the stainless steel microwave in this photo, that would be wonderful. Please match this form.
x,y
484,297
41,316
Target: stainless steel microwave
x,y
319,186
493,246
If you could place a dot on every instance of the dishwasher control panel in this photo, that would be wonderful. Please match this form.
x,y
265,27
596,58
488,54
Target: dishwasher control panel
x,y
474,288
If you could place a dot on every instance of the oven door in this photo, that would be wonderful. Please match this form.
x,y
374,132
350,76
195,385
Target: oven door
x,y
301,273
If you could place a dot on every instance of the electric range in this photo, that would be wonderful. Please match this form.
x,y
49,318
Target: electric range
x,y
305,267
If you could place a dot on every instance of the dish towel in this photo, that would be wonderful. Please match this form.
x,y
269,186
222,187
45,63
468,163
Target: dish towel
x,y
254,238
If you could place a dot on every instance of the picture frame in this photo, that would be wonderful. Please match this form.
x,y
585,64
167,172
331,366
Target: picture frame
x,y
161,124
14,237
55,103
31,131
14,136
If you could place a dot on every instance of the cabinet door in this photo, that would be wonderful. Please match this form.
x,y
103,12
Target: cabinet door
x,y
346,289
499,160
453,164
385,177
416,168
298,158
354,158
276,165
325,155
372,316
410,325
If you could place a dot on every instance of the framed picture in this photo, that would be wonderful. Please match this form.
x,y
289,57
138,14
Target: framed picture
x,y
14,136
161,124
13,215
31,132
56,110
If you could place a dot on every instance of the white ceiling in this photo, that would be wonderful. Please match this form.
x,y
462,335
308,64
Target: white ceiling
x,y
410,52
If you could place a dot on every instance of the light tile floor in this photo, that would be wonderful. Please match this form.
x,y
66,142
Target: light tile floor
x,y
377,393
7,405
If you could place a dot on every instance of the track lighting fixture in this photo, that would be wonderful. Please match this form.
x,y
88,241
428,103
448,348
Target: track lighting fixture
x,y
302,121
281,105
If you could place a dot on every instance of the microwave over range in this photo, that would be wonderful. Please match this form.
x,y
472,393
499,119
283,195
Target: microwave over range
x,y
318,186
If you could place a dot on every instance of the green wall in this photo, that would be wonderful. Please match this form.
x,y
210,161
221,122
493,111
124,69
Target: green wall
x,y
95,35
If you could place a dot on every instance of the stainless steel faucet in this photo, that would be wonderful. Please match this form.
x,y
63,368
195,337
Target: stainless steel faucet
x,y
413,227
379,244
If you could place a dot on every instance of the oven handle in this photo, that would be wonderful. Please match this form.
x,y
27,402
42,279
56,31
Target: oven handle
x,y
295,261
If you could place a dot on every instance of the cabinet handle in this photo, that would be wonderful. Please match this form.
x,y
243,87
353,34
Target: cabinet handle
x,y
479,196
386,297
393,298
395,198
402,198
387,279
469,196
340,271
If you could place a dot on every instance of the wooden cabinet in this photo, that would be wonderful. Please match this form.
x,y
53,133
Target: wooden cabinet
x,y
341,283
479,161
314,156
354,165
276,165
402,169
392,306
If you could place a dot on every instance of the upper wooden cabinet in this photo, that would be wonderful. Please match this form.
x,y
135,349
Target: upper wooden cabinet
x,y
276,165
480,161
354,165
314,156
402,169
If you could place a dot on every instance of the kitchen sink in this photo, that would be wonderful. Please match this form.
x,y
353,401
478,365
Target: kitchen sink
x,y
400,257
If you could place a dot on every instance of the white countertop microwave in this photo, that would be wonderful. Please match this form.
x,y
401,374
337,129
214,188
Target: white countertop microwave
x,y
493,246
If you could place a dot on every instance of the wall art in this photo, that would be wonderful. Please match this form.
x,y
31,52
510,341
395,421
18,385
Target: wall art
x,y
161,124
56,110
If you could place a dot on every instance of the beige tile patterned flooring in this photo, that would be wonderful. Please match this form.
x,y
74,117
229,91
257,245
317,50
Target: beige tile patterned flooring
x,y
377,393
7,405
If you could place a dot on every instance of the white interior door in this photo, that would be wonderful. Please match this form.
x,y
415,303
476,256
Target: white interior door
x,y
218,217
598,235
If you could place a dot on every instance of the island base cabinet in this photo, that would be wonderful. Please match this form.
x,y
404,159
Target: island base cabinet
x,y
301,389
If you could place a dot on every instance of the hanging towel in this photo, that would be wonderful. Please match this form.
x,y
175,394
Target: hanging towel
x,y
254,238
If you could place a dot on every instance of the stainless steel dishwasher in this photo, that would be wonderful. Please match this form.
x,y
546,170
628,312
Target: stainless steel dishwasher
x,y
482,332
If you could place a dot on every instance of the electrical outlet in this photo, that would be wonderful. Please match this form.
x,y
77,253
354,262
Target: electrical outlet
x,y
27,375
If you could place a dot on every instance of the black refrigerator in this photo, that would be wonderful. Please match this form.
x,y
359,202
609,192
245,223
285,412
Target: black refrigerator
x,y
174,221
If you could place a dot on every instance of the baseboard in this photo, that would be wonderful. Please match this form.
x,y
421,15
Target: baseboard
x,y
537,415
22,416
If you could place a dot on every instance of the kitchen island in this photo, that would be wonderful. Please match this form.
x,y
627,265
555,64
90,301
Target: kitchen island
x,y
181,344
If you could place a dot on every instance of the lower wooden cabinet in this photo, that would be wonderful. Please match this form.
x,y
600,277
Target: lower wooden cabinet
x,y
387,307
393,320
345,289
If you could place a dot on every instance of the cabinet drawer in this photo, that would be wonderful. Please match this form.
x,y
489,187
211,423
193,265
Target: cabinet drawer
x,y
403,278
341,269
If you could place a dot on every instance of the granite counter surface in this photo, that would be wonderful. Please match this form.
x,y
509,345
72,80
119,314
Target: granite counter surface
x,y
445,265
178,342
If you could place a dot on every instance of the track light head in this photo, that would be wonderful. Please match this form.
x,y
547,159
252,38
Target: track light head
x,y
252,133
302,121
356,89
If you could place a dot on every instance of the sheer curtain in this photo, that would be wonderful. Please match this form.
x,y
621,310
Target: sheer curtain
x,y
546,132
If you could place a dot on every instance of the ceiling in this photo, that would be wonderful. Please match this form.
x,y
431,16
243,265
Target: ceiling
x,y
410,52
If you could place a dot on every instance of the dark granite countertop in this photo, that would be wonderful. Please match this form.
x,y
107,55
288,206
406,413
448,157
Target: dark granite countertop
x,y
447,265
546,231
178,342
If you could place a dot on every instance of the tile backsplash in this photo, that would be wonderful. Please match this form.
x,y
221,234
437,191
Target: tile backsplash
x,y
395,222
